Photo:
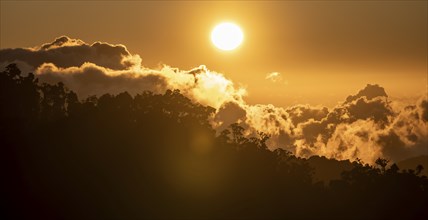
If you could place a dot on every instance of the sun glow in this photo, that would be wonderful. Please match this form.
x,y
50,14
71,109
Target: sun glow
x,y
227,36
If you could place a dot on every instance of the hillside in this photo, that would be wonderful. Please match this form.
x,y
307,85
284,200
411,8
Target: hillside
x,y
328,169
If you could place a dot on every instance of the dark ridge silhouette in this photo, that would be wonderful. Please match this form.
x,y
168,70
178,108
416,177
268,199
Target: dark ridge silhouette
x,y
156,156
412,163
326,170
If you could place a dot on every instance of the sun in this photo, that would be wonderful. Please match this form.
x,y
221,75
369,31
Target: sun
x,y
227,36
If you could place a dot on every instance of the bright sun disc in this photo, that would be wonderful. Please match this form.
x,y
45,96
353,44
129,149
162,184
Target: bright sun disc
x,y
227,36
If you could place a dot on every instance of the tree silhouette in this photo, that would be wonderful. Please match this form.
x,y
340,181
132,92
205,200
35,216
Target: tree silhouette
x,y
156,156
382,163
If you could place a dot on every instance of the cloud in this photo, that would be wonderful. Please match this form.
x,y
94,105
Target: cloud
x,y
90,79
376,109
106,68
370,92
275,77
302,113
407,135
366,128
65,52
229,113
62,41
423,106
366,125
204,86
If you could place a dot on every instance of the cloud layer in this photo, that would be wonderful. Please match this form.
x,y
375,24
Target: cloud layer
x,y
105,68
366,125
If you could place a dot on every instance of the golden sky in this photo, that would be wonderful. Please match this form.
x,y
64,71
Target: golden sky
x,y
323,51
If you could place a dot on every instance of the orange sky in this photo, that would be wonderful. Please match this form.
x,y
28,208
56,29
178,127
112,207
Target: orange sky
x,y
323,50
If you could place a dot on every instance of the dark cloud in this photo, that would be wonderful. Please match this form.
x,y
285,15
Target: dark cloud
x,y
376,109
370,92
60,42
393,146
314,131
65,52
424,110
300,113
229,113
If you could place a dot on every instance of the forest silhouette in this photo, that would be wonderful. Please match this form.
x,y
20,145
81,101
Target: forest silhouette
x,y
156,156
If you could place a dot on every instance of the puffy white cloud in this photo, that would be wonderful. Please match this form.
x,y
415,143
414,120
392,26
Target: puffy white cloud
x,y
90,79
204,86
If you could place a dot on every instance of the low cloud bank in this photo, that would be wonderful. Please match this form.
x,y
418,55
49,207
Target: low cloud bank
x,y
366,125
